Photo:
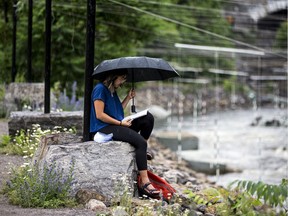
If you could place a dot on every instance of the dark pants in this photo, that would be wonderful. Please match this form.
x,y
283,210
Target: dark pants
x,y
136,135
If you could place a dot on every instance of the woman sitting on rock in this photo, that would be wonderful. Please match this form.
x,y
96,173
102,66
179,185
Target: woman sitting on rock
x,y
107,116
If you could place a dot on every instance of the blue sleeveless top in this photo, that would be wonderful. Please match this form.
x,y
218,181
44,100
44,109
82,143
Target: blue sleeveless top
x,y
112,106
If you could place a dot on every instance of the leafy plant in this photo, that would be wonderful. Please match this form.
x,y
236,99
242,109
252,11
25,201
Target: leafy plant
x,y
49,187
198,199
244,204
271,194
25,142
233,201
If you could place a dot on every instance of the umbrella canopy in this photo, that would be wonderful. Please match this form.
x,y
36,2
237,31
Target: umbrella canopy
x,y
139,68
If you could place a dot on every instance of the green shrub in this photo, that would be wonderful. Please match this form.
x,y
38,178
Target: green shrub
x,y
274,195
46,188
25,142
233,201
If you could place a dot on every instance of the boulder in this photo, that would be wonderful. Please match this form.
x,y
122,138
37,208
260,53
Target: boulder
x,y
26,119
95,205
99,167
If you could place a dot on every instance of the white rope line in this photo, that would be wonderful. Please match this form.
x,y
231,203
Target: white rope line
x,y
197,29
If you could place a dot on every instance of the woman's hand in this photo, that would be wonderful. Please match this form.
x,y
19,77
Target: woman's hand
x,y
126,123
131,94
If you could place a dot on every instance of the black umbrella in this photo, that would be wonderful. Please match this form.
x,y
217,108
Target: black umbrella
x,y
139,68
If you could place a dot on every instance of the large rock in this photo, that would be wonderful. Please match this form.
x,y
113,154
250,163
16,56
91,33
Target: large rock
x,y
99,167
25,120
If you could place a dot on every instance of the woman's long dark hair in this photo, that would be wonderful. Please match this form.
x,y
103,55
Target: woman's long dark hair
x,y
110,78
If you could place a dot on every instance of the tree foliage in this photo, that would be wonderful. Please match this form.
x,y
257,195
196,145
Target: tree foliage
x,y
123,28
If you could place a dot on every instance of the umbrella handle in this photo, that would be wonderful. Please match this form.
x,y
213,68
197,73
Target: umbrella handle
x,y
133,108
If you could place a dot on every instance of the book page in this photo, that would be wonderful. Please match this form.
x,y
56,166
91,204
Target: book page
x,y
136,115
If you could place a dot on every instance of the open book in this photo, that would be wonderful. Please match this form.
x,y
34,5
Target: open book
x,y
136,115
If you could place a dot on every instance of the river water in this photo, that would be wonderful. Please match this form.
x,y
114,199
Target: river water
x,y
259,152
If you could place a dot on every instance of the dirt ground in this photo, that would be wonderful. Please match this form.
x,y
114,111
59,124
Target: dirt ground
x,y
9,161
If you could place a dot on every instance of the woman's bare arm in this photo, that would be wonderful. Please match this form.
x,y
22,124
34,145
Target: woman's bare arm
x,y
101,115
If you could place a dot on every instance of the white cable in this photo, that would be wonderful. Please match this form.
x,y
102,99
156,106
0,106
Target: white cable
x,y
197,29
